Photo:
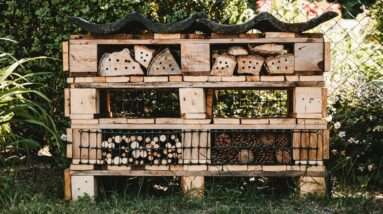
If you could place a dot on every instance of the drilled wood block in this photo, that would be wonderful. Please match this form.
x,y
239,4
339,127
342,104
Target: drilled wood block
x,y
143,55
224,65
83,58
250,64
118,64
164,63
281,64
309,56
195,58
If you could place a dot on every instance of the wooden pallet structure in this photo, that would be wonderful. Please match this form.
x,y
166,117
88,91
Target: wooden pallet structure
x,y
111,135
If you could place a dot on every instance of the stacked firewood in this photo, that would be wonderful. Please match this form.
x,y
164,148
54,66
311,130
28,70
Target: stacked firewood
x,y
251,148
251,59
161,149
138,59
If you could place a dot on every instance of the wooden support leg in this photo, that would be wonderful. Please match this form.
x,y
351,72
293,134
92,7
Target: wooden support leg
x,y
312,185
82,186
67,185
193,186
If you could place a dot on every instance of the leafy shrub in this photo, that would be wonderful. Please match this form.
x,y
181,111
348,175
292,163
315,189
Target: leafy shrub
x,y
20,108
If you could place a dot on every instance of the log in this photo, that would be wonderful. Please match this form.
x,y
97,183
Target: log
x,y
224,65
143,55
281,64
119,63
164,64
268,49
251,64
237,51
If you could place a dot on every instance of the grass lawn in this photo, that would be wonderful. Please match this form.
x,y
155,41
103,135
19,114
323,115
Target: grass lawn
x,y
40,191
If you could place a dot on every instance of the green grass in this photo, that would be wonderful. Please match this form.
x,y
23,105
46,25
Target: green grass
x,y
40,191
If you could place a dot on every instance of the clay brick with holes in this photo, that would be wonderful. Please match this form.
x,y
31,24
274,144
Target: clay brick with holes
x,y
251,64
282,64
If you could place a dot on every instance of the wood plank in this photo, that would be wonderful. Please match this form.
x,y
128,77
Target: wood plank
x,y
254,121
308,56
233,121
324,102
272,78
313,145
233,78
69,149
181,121
175,78
80,167
67,185
117,41
292,78
167,36
136,78
283,121
65,52
327,57
279,35
116,79
296,145
213,171
195,78
312,78
156,79
76,144
67,102
83,58
195,58
209,102
253,78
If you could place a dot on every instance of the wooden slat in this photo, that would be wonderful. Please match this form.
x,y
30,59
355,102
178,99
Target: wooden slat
x,y
327,56
296,145
324,102
326,144
209,102
266,82
279,35
65,51
67,102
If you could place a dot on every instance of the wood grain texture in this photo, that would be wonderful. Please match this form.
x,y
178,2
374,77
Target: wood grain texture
x,y
309,56
195,58
65,55
83,58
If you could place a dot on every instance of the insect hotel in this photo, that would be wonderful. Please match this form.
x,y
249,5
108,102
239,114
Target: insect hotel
x,y
196,98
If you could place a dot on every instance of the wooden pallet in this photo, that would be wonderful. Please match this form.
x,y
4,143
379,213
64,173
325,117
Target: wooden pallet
x,y
308,57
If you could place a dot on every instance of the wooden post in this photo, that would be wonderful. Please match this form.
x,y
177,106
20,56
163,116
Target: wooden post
x,y
193,186
312,185
67,185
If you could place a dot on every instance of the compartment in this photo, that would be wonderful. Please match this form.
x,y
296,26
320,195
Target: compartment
x,y
142,103
120,60
251,103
